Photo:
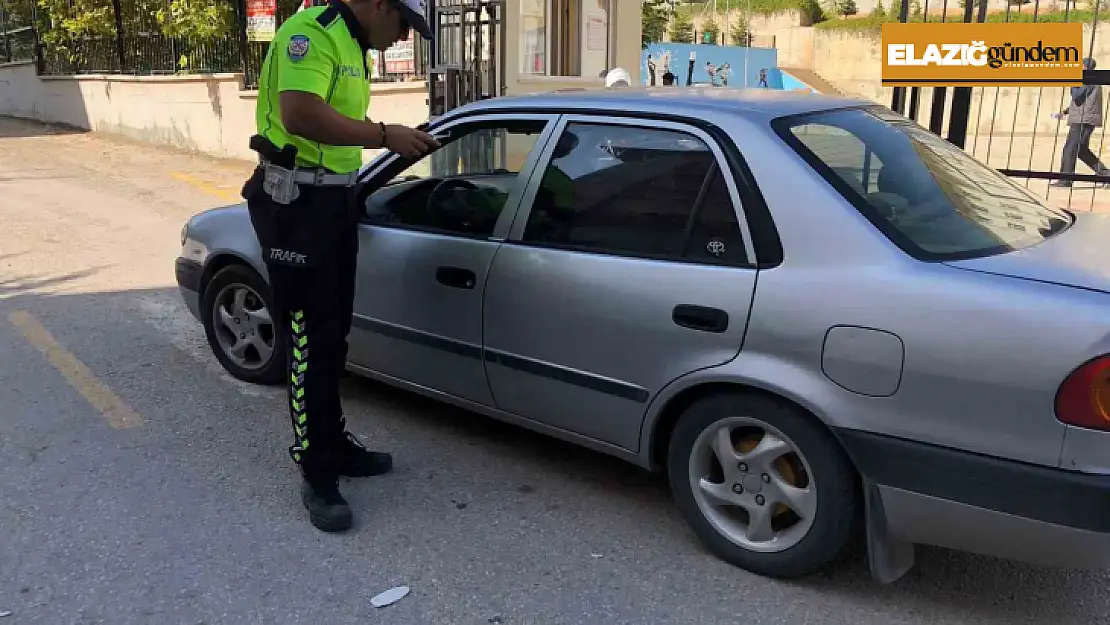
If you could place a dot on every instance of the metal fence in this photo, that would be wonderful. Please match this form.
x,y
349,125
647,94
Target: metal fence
x,y
17,35
131,37
141,37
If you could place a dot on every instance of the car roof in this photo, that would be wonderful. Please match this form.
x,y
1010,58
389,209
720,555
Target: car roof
x,y
760,105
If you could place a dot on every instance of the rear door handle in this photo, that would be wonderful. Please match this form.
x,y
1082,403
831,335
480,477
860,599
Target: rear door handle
x,y
700,318
456,277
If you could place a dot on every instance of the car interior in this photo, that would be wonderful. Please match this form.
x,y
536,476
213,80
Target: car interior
x,y
643,202
466,187
635,198
467,204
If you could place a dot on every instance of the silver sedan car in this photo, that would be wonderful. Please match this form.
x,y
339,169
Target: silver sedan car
x,y
817,318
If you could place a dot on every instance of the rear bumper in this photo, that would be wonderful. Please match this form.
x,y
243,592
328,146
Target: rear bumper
x,y
959,500
189,273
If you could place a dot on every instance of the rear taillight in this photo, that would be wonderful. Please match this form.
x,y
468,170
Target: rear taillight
x,y
1084,397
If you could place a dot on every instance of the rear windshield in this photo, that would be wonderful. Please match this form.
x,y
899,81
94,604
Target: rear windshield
x,y
928,196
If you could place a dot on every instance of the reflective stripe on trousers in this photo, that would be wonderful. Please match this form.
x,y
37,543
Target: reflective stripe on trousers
x,y
298,365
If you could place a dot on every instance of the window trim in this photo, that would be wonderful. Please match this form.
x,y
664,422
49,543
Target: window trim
x,y
782,126
505,220
527,201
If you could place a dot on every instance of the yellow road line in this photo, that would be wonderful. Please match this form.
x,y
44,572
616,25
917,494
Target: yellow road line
x,y
115,411
223,194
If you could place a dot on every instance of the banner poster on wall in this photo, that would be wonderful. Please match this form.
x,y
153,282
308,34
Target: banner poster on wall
x,y
261,20
400,58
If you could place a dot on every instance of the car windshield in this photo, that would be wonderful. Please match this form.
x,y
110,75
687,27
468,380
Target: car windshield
x,y
931,198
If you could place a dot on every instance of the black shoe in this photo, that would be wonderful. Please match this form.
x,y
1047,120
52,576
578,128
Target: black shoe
x,y
355,460
327,509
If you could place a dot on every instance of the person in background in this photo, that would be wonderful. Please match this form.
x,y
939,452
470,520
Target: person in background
x,y
668,79
651,69
1084,115
711,70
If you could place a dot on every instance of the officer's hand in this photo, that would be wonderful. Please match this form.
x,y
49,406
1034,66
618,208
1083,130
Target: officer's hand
x,y
408,142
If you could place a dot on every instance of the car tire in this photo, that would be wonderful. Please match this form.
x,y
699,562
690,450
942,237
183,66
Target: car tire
x,y
221,290
824,484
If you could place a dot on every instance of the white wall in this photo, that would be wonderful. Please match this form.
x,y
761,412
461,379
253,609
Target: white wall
x,y
209,114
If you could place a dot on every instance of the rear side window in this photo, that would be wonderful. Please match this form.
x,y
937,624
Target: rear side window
x,y
931,198
636,192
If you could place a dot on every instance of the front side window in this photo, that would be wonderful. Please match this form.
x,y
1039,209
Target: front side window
x,y
930,197
638,192
463,187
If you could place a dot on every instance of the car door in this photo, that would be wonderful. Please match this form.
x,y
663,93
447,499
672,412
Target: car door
x,y
630,267
426,246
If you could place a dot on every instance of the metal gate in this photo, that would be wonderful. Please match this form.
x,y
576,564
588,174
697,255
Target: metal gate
x,y
467,65
467,58
1011,128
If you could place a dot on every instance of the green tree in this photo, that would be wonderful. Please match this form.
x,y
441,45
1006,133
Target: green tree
x,y
848,8
682,31
654,16
198,21
738,31
878,12
17,13
73,29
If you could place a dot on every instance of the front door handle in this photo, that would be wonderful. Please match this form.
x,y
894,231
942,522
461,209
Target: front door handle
x,y
456,277
700,318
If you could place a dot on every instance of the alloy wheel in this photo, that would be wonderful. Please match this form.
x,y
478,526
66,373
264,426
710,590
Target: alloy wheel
x,y
753,485
244,327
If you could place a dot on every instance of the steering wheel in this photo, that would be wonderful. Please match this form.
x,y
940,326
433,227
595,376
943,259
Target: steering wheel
x,y
448,185
442,189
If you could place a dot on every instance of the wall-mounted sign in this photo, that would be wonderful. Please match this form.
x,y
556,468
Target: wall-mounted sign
x,y
597,33
400,58
261,20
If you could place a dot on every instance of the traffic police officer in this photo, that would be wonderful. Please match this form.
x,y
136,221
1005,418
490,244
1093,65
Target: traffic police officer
x,y
314,92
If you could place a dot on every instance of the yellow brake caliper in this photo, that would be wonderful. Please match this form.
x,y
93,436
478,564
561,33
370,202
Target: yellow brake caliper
x,y
784,467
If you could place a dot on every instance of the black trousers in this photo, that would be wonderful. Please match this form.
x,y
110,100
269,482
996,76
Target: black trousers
x,y
1078,146
310,247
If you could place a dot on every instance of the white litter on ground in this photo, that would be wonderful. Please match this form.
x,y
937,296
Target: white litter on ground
x,y
3,614
393,595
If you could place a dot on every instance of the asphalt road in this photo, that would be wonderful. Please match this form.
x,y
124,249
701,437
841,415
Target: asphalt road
x,y
140,484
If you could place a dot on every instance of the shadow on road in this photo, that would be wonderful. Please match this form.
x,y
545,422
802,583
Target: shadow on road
x,y
11,286
18,127
945,586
